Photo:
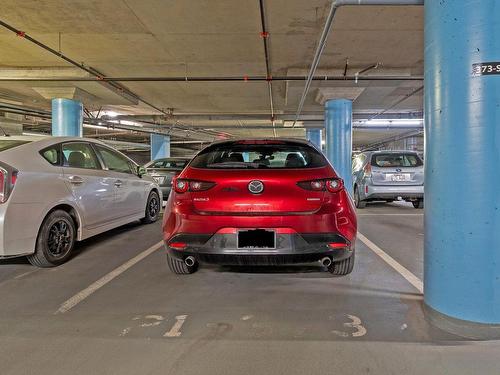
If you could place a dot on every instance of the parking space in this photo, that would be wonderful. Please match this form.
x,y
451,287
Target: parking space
x,y
249,187
150,321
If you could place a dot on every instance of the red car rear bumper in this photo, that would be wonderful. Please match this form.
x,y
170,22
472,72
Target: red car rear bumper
x,y
299,238
181,218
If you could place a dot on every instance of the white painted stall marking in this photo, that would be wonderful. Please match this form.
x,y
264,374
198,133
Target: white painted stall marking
x,y
403,271
354,323
156,321
26,274
92,288
175,331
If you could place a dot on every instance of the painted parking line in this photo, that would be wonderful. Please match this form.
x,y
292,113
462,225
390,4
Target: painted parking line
x,y
26,274
403,271
92,288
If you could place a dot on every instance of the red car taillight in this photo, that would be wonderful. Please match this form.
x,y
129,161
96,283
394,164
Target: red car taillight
x,y
333,185
184,185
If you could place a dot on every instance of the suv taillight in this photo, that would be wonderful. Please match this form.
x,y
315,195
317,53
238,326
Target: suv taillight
x,y
7,182
182,185
368,170
332,185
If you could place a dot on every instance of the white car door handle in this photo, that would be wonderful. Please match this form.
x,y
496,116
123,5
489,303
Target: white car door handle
x,y
118,183
75,180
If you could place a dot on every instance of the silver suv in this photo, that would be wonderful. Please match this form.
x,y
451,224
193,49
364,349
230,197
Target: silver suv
x,y
387,176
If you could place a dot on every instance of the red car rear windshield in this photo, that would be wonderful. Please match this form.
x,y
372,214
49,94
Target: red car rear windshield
x,y
248,155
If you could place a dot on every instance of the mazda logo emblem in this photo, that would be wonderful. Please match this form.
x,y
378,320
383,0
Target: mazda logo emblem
x,y
256,187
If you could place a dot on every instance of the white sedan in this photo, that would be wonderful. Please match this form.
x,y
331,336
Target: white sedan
x,y
58,190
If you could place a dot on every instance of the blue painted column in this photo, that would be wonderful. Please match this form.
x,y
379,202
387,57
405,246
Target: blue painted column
x,y
67,118
160,146
462,123
338,126
314,136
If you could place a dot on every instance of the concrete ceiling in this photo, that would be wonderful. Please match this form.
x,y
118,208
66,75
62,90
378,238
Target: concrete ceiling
x,y
133,38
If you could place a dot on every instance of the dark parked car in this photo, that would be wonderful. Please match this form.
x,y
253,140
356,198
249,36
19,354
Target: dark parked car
x,y
163,170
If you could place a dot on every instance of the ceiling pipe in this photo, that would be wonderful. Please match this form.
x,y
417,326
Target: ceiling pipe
x,y
310,126
100,77
310,116
265,36
336,4
307,118
399,137
197,129
222,79
407,96
122,91
188,133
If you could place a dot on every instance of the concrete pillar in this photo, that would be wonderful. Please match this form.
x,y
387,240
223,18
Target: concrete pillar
x,y
160,146
338,126
462,205
67,118
314,136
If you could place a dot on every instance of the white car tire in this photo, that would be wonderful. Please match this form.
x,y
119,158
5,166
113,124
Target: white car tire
x,y
55,241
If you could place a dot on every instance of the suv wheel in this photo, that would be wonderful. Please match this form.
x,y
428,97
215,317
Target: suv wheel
x,y
357,199
153,208
55,241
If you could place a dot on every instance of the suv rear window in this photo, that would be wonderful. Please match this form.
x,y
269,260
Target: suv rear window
x,y
6,144
394,160
259,154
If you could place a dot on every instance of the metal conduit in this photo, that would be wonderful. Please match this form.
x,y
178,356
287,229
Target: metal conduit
x,y
99,76
265,36
152,129
221,79
336,4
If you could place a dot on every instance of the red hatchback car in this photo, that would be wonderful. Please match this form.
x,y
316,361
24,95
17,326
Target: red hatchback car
x,y
259,202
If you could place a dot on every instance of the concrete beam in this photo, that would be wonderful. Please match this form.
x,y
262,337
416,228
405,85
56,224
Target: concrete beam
x,y
330,93
66,92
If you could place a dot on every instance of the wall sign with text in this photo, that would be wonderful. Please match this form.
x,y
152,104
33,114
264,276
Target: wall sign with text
x,y
485,69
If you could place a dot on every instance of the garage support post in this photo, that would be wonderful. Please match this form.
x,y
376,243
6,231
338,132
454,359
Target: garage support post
x,y
462,201
314,136
338,126
67,118
160,146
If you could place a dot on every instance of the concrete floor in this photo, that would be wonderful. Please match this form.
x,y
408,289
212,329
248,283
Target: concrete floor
x,y
291,320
